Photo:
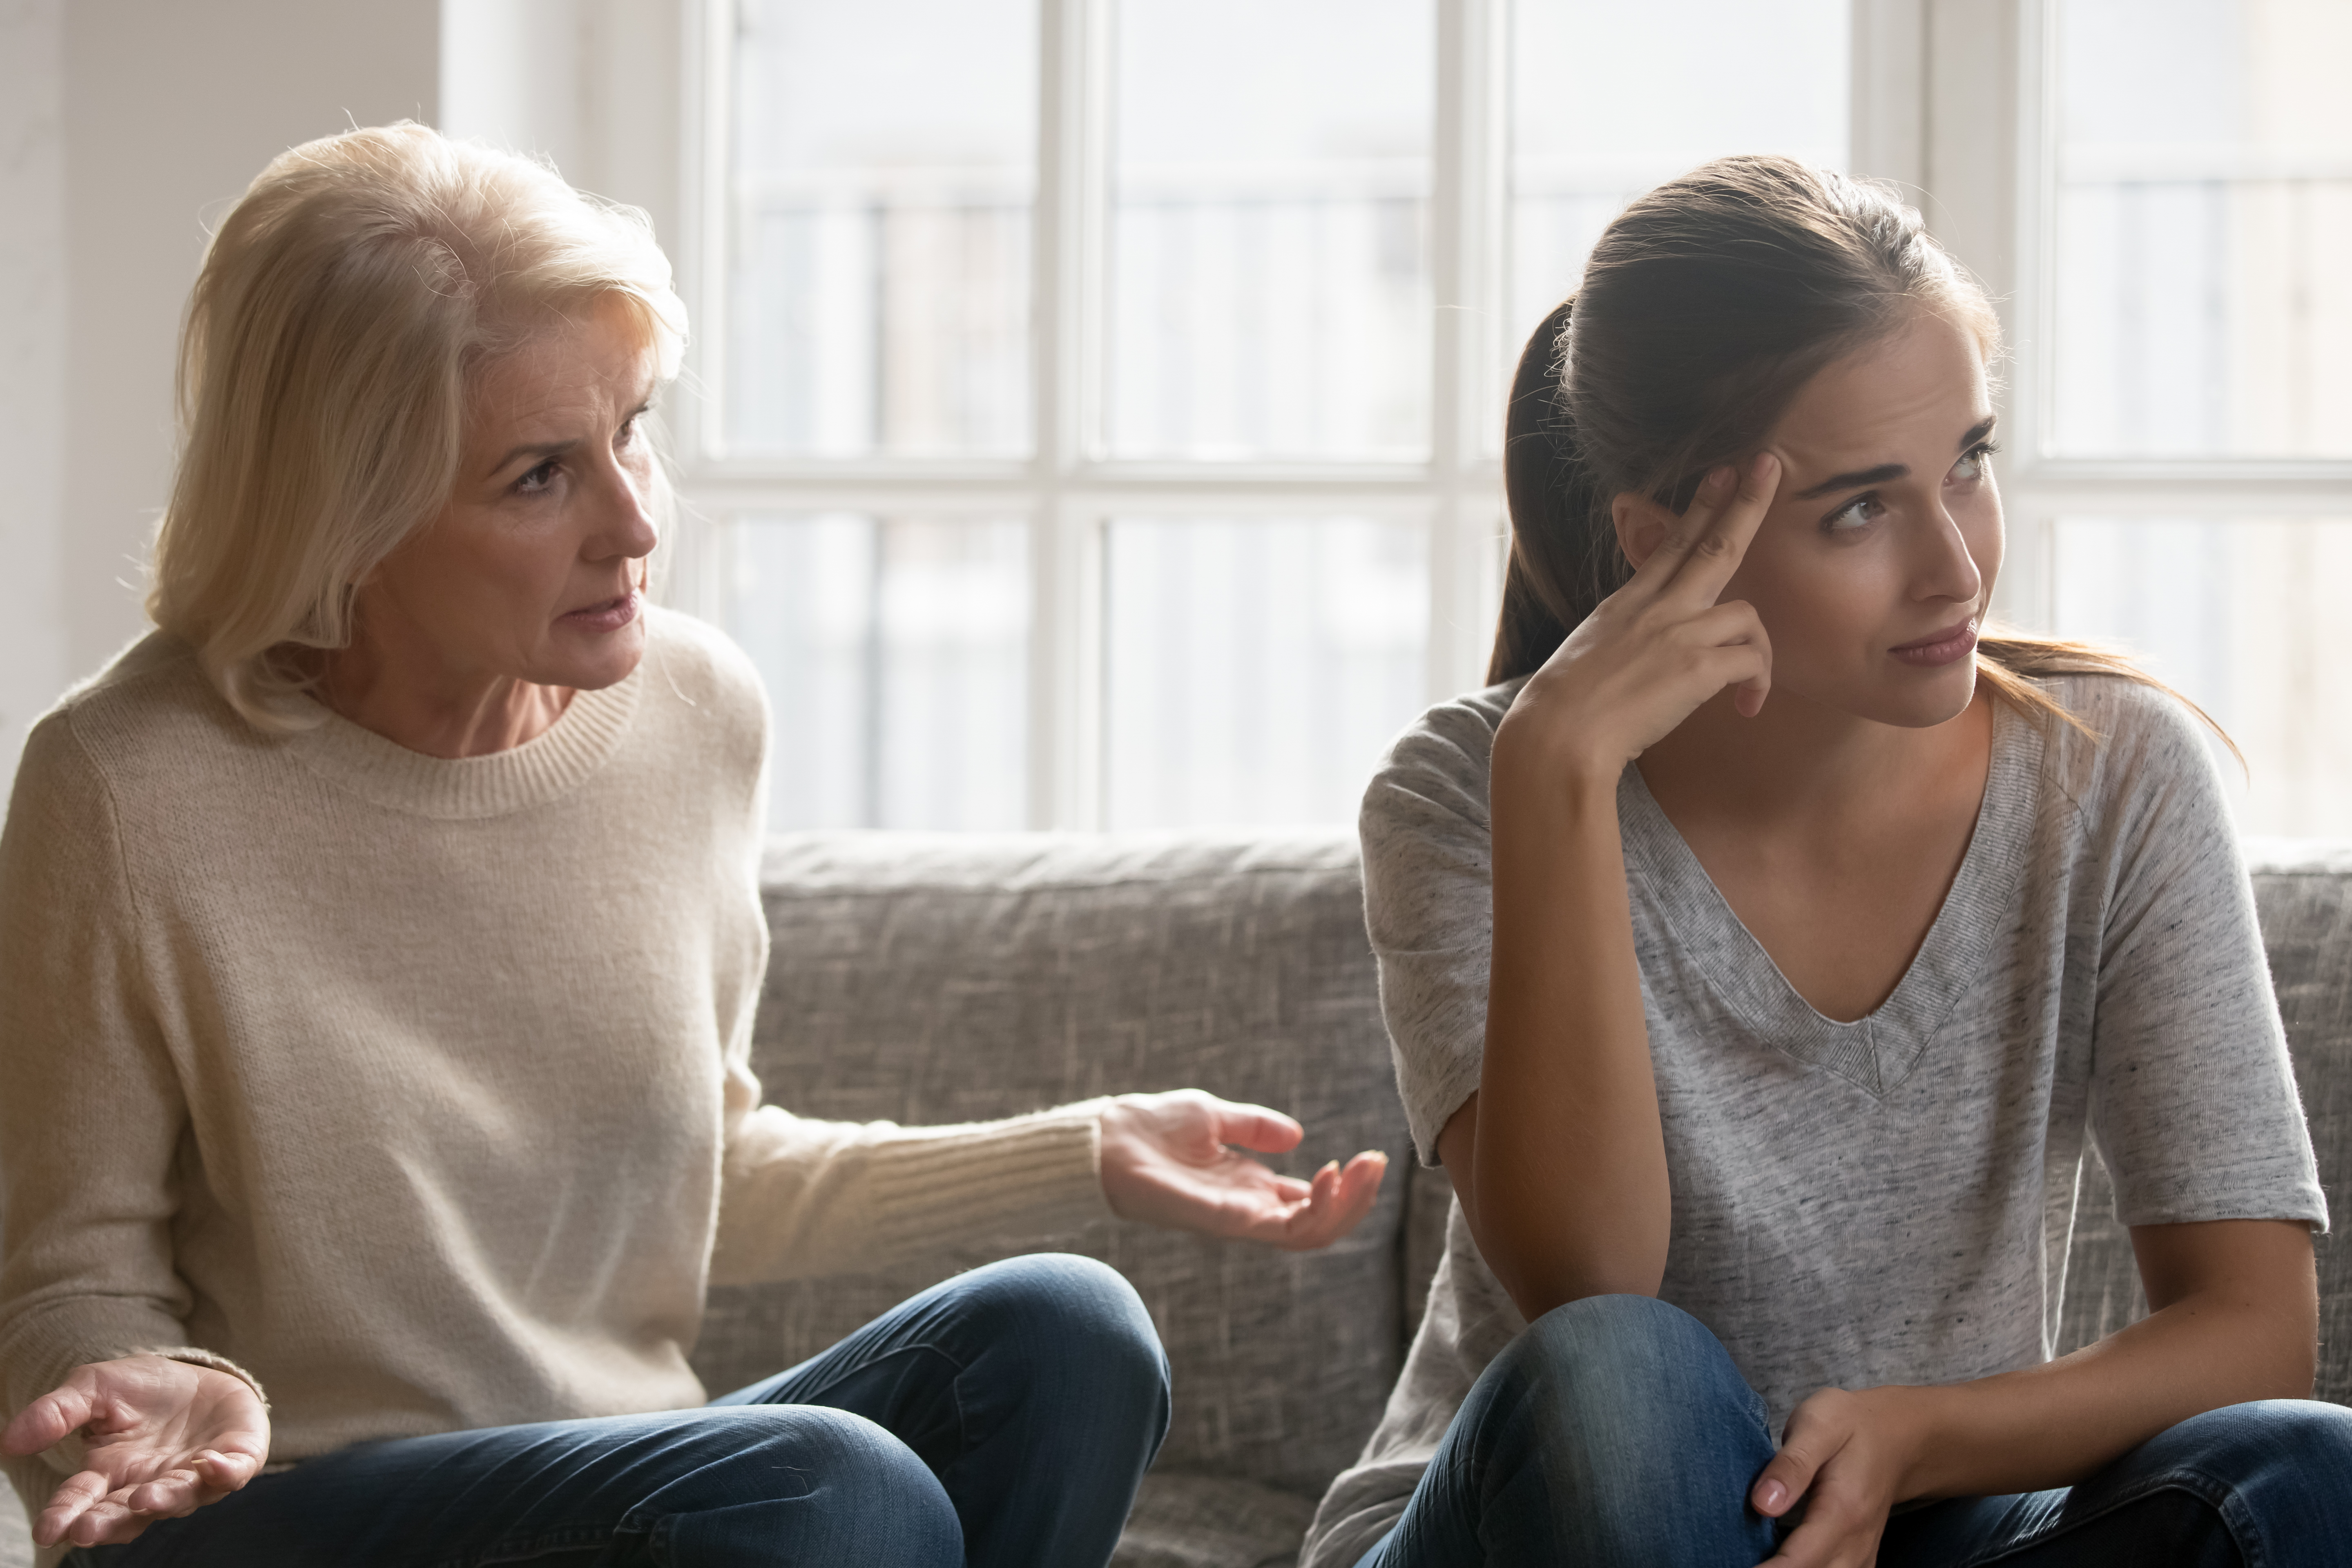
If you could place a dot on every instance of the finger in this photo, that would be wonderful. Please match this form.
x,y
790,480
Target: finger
x,y
226,1471
1342,1198
73,1499
1735,628
1716,550
1679,533
172,1492
1254,1127
47,1420
1782,1481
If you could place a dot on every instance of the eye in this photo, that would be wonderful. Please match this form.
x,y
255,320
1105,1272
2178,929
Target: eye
x,y
538,479
1855,515
1975,464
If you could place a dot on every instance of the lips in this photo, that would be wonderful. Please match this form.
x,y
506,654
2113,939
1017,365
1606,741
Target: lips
x,y
1949,645
605,616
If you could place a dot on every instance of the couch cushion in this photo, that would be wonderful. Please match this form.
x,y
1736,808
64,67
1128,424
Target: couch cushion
x,y
1211,1522
927,979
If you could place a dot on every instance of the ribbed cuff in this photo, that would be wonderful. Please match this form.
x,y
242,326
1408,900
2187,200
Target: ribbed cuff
x,y
1018,1179
196,1356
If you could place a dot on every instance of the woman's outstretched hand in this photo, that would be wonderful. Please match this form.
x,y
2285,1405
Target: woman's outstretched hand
x,y
1662,645
160,1438
1168,1160
1844,1455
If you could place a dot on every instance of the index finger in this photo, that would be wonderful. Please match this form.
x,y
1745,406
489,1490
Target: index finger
x,y
1714,549
1255,1127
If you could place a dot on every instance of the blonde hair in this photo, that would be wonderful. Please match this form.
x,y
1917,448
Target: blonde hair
x,y
345,311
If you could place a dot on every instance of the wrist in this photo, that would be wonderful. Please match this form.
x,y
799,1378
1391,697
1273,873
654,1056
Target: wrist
x,y
1918,1430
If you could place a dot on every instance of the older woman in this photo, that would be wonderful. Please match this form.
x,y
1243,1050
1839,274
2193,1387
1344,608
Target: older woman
x,y
378,947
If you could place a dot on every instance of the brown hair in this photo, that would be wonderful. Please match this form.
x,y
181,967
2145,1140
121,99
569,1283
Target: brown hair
x,y
1705,306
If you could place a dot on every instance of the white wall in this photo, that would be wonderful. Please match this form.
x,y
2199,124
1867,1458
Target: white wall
x,y
33,659
124,126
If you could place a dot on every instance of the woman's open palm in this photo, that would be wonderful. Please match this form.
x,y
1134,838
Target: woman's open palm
x,y
1171,1160
160,1438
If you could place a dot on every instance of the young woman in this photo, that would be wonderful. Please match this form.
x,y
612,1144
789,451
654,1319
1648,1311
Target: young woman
x,y
1758,950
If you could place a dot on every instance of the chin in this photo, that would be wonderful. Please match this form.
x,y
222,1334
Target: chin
x,y
610,661
1938,699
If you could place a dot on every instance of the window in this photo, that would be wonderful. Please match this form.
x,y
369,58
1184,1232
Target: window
x,y
1098,400
2179,478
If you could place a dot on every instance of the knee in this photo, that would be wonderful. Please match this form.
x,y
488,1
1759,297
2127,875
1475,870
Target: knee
x,y
849,1492
2276,1447
1617,1378
1055,1310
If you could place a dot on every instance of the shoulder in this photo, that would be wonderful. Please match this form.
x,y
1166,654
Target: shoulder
x,y
702,692
2144,742
1426,804
1443,757
149,714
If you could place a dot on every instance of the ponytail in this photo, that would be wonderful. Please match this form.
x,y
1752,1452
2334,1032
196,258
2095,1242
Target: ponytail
x,y
1564,553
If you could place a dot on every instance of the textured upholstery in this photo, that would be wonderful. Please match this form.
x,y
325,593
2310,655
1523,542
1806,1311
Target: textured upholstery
x,y
934,979
925,979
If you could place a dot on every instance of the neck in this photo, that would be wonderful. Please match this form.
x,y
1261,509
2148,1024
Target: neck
x,y
415,700
1797,762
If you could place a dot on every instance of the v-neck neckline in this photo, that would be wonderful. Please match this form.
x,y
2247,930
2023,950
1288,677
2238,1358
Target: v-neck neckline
x,y
1880,1049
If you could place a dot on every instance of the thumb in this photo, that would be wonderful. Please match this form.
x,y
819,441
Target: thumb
x,y
46,1420
1791,1474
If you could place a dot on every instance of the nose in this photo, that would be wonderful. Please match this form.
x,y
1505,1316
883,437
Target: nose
x,y
624,524
1942,566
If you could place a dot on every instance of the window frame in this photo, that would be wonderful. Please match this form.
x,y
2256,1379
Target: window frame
x,y
1990,176
1067,488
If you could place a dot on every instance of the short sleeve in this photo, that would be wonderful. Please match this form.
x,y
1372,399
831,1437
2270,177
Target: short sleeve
x,y
1429,904
2193,1103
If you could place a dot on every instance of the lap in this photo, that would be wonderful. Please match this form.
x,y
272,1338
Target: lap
x,y
873,1430
1617,1429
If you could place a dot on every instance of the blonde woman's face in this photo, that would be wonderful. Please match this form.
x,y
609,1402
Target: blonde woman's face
x,y
535,569
1872,570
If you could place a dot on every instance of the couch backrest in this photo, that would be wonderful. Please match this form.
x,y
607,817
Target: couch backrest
x,y
925,979
948,979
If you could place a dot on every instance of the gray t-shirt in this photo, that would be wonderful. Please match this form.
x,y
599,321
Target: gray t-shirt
x,y
1888,1200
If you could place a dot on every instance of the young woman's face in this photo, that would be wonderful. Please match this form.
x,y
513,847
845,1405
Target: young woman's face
x,y
535,569
1872,570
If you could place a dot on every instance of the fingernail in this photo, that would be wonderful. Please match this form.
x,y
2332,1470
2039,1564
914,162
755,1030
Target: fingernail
x,y
1772,1497
1762,465
1718,476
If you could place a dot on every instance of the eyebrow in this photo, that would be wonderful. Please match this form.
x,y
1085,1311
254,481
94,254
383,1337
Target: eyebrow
x,y
545,449
1880,475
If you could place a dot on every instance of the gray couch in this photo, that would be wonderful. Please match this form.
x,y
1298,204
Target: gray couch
x,y
937,979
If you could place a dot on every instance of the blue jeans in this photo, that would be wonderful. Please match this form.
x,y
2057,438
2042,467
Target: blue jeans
x,y
1003,1418
1617,1430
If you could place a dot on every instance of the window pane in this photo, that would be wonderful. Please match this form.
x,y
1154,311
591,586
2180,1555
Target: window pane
x,y
1258,667
2244,618
879,248
895,655
2201,305
1269,292
1585,139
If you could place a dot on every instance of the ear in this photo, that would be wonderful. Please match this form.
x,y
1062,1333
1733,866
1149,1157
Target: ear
x,y
1641,525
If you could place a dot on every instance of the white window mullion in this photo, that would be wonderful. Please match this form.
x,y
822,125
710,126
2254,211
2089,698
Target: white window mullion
x,y
1470,151
1065,638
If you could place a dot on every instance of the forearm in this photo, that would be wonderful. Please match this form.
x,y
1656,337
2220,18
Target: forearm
x,y
1568,1169
2238,1337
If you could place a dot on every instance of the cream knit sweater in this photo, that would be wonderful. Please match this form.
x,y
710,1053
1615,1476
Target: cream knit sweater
x,y
417,1088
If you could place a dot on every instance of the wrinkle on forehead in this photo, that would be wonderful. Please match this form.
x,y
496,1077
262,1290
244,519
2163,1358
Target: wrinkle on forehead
x,y
1892,400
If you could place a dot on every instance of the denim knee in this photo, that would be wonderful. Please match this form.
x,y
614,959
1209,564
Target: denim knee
x,y
1615,1429
1073,1312
1621,1361
2279,1469
836,1487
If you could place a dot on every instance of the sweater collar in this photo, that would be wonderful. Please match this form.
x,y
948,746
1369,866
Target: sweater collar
x,y
459,788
